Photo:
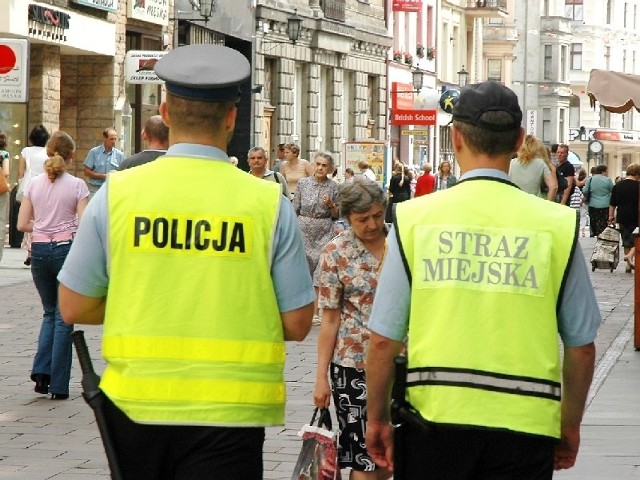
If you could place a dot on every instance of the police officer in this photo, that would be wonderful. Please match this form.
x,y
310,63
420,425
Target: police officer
x,y
482,277
198,272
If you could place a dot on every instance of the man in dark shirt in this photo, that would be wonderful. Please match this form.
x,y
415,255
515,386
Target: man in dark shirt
x,y
156,138
566,169
623,209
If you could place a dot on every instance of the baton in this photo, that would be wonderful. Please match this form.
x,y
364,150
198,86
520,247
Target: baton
x,y
95,398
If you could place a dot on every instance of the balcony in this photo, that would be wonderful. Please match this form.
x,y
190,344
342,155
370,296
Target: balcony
x,y
334,9
499,33
486,8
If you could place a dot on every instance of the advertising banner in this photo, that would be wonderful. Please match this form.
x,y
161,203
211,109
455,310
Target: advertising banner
x,y
152,11
139,64
407,5
372,152
14,70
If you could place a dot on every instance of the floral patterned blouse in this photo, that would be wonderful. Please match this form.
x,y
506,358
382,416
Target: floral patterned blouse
x,y
348,281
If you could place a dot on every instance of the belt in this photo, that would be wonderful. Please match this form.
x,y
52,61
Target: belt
x,y
55,238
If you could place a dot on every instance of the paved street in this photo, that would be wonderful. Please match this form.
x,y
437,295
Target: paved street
x,y
44,439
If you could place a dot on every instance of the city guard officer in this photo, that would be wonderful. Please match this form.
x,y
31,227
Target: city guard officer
x,y
198,273
482,277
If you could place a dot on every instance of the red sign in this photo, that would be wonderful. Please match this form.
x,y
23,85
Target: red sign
x,y
413,117
407,5
401,96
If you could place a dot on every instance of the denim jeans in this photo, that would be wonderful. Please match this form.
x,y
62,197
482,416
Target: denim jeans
x,y
54,344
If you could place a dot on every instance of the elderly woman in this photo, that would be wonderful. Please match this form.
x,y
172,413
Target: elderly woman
x,y
597,192
316,206
294,168
348,276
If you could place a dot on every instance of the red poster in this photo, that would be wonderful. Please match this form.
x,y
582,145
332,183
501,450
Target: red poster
x,y
413,117
407,5
401,96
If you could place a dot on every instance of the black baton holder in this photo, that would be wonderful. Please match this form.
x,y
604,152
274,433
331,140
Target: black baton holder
x,y
95,398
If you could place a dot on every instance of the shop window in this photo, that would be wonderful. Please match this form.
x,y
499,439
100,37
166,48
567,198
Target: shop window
x,y
13,122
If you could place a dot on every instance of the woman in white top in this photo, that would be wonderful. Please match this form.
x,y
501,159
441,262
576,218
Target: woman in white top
x,y
31,164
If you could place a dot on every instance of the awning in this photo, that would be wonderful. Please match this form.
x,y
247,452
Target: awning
x,y
615,91
574,159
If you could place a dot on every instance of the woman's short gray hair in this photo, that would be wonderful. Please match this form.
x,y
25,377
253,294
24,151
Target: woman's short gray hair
x,y
327,156
360,195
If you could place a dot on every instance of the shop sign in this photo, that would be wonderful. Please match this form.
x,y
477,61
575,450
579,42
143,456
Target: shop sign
x,y
407,5
532,122
14,69
109,5
616,136
413,117
422,133
48,24
152,11
139,66
402,96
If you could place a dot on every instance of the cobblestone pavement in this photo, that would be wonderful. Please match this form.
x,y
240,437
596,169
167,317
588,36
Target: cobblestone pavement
x,y
45,439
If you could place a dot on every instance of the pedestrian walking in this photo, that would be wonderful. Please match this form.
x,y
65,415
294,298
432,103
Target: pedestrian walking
x,y
597,192
348,276
52,203
30,165
156,138
195,358
482,277
102,159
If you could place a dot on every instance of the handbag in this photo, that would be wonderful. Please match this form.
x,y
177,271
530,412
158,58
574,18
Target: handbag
x,y
26,180
586,191
318,458
4,185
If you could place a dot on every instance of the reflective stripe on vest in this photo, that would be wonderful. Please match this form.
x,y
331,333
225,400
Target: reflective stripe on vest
x,y
192,333
484,380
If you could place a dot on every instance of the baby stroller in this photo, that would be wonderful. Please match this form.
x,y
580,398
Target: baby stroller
x,y
606,253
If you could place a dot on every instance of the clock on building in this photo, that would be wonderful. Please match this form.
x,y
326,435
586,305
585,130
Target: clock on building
x,y
595,146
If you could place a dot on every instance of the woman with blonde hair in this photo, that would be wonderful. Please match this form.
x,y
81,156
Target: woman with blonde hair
x,y
52,204
445,178
531,169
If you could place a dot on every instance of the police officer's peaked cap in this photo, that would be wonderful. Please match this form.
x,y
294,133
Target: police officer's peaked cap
x,y
208,73
478,99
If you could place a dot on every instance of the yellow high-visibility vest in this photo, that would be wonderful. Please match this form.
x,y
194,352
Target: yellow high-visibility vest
x,y
486,263
192,331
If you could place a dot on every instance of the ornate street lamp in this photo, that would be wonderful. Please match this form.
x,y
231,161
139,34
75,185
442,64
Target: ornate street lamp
x,y
294,27
417,77
206,8
463,75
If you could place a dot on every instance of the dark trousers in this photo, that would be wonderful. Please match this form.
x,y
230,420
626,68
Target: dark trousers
x,y
471,454
162,452
598,218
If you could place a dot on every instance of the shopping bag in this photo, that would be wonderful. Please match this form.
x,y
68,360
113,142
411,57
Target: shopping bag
x,y
318,459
